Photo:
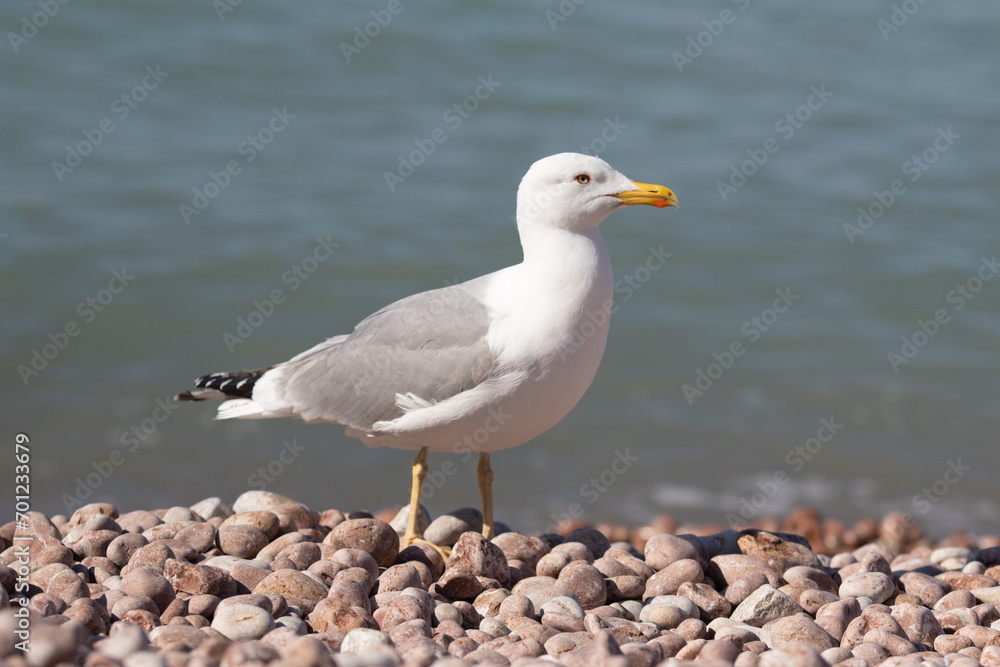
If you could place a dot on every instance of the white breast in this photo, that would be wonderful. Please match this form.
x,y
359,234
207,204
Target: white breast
x,y
549,333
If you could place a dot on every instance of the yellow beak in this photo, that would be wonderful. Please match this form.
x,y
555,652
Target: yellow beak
x,y
653,195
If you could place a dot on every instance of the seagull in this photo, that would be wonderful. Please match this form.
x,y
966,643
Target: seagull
x,y
479,366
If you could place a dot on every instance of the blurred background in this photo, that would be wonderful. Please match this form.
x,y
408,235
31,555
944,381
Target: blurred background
x,y
171,170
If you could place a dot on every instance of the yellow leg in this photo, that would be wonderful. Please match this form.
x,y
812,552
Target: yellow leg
x,y
485,474
419,474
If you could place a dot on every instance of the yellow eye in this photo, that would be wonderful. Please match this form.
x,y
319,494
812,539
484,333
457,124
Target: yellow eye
x,y
583,179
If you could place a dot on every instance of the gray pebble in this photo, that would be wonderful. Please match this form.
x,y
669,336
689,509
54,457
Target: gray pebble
x,y
445,611
593,539
633,608
763,605
398,522
179,514
293,622
689,608
447,528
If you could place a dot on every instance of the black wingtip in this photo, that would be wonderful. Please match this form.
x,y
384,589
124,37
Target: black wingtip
x,y
238,384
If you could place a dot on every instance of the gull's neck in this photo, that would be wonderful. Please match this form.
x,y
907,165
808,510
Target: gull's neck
x,y
573,265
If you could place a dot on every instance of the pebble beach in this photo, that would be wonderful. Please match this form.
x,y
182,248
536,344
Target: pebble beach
x,y
269,581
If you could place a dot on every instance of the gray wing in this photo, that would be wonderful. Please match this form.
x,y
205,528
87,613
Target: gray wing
x,y
431,344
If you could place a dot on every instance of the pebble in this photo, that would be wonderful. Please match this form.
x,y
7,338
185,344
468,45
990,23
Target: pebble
x,y
792,656
528,550
942,554
173,636
195,579
480,556
148,582
563,604
372,536
877,586
684,604
670,578
575,551
398,578
666,616
725,569
352,593
917,622
988,595
929,590
967,582
710,602
138,521
402,517
893,644
297,588
764,605
819,576
741,589
258,500
241,540
243,621
980,636
551,564
199,536
356,558
334,615
591,538
780,554
989,556
717,544
264,520
447,528
126,639
166,588
585,582
445,611
663,549
210,508
364,639
459,583
800,629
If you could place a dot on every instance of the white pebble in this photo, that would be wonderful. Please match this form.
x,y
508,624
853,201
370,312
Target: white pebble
x,y
243,621
564,605
144,659
363,639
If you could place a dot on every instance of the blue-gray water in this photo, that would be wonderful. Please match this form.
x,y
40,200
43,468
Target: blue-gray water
x,y
287,120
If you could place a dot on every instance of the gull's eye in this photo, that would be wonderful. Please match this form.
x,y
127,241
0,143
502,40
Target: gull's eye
x,y
583,179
